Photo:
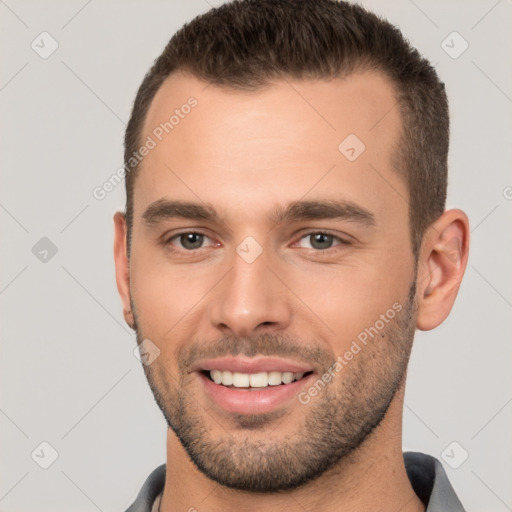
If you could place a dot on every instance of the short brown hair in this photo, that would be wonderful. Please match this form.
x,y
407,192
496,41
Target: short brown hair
x,y
245,44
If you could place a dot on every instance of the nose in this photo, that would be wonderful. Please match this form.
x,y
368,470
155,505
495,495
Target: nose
x,y
251,299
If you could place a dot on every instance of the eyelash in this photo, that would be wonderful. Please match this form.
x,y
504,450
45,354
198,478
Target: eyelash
x,y
342,241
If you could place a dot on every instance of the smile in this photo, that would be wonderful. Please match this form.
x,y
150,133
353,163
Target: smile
x,y
253,380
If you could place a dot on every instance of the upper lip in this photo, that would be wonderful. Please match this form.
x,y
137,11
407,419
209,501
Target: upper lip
x,y
251,365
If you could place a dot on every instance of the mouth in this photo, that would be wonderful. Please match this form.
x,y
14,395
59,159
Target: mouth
x,y
241,398
253,381
252,385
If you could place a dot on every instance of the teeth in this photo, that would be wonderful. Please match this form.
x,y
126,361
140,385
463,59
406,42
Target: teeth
x,y
287,377
253,380
258,380
240,380
227,378
274,378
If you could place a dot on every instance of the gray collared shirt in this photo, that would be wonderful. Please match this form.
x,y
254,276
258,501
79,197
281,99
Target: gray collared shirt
x,y
427,475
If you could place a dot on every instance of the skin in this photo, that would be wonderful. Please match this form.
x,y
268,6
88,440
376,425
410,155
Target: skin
x,y
245,153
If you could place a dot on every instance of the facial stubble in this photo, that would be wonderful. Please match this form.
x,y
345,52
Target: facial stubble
x,y
333,425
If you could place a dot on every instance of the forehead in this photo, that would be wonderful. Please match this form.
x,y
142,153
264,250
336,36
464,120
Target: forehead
x,y
357,103
286,138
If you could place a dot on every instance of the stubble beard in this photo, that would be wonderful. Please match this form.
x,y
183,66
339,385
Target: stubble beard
x,y
332,426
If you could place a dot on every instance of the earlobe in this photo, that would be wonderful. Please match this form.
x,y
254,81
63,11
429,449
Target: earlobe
x,y
442,262
122,265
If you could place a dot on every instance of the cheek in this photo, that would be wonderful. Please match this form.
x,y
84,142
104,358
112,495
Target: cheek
x,y
166,295
350,299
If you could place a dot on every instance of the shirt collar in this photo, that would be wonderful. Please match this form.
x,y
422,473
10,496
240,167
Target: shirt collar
x,y
426,474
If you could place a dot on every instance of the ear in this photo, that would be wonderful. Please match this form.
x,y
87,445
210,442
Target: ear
x,y
122,265
442,262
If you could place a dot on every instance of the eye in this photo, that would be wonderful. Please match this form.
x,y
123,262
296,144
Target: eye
x,y
189,241
320,240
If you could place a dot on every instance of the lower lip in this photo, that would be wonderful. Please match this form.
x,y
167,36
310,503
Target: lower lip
x,y
253,400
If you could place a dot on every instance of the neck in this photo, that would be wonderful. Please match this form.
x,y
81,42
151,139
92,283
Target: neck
x,y
371,477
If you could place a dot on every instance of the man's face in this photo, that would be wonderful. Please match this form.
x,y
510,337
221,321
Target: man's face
x,y
289,293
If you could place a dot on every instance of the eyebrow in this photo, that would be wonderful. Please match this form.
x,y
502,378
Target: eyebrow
x,y
164,209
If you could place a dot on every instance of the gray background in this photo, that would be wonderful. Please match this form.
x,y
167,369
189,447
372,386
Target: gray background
x,y
67,369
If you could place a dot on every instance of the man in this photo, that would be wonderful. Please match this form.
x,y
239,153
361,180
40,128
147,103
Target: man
x,y
285,234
